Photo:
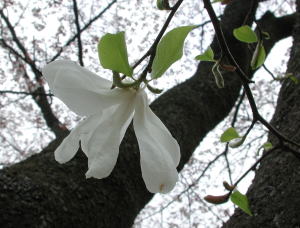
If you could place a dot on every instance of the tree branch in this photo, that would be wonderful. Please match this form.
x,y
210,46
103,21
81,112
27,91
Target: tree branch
x,y
52,122
80,54
40,192
25,93
85,27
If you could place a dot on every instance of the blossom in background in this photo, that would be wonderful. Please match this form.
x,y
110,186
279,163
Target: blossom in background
x,y
108,113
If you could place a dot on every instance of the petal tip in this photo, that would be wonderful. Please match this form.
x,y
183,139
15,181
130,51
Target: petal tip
x,y
60,161
88,175
59,158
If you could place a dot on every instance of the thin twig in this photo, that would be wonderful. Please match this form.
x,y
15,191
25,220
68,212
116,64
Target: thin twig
x,y
152,51
253,167
85,27
26,93
80,53
245,81
269,72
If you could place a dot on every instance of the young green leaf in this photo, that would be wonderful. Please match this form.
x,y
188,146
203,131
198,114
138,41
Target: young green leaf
x,y
154,90
259,56
112,53
241,201
229,134
208,55
266,35
218,75
163,4
267,146
169,50
245,34
293,78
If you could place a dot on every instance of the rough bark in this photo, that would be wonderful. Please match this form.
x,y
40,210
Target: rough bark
x,y
39,192
274,193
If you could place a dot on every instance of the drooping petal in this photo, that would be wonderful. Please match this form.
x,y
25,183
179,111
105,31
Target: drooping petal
x,y
160,152
70,145
81,90
102,145
67,149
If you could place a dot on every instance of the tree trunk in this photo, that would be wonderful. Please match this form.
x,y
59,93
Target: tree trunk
x,y
273,195
39,192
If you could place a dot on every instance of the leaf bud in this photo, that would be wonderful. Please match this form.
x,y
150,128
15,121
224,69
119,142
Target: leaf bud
x,y
154,90
163,5
217,199
228,186
217,74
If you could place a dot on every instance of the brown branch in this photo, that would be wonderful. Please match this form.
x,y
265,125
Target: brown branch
x,y
5,45
268,71
19,44
14,35
237,108
152,50
52,122
25,93
80,54
253,167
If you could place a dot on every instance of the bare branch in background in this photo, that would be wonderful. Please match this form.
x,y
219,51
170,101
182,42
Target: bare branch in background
x,y
52,122
86,26
25,93
76,12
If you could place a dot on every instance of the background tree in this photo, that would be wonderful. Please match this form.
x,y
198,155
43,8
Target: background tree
x,y
39,192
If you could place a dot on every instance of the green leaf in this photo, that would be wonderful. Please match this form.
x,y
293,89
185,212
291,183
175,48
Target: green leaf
x,y
218,75
241,201
259,56
163,4
245,34
266,35
294,79
229,134
169,50
215,1
267,146
208,55
112,53
160,4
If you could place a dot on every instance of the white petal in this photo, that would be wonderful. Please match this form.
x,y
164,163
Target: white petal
x,y
102,146
70,145
160,152
81,90
67,149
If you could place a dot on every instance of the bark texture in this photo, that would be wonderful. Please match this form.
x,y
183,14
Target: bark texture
x,y
274,193
39,192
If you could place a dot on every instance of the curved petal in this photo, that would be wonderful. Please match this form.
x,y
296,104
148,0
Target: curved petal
x,y
70,145
160,152
81,90
67,149
102,145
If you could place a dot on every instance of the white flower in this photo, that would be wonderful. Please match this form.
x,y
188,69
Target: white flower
x,y
108,113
